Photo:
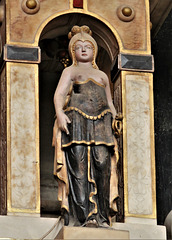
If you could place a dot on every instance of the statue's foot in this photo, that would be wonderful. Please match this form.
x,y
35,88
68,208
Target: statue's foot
x,y
92,223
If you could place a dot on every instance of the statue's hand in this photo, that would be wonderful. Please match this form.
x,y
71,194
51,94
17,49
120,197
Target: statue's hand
x,y
63,120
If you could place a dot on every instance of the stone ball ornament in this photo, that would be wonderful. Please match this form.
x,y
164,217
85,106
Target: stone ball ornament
x,y
30,6
125,13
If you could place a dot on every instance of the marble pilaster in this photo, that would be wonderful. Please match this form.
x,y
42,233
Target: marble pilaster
x,y
139,165
23,139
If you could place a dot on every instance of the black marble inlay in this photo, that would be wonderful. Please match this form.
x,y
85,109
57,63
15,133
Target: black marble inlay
x,y
128,62
136,62
21,53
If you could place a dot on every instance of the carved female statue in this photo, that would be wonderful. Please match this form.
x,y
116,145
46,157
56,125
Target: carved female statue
x,y
85,146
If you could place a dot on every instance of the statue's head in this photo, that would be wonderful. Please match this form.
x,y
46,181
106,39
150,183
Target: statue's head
x,y
82,34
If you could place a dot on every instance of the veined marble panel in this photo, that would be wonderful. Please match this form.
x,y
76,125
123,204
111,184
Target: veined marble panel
x,y
138,145
23,169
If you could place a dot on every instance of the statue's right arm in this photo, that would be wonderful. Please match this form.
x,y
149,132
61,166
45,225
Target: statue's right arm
x,y
60,98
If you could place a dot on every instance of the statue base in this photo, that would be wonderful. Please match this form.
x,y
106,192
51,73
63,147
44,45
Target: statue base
x,y
24,227
91,233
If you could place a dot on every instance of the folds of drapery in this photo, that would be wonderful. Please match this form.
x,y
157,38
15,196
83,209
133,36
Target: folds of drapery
x,y
60,170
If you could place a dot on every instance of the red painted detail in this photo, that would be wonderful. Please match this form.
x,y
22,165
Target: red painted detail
x,y
78,3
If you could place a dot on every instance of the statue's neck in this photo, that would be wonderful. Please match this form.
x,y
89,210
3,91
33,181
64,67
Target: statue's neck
x,y
84,64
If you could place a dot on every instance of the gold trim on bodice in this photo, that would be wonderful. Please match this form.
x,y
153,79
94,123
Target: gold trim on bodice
x,y
71,108
89,79
88,143
86,115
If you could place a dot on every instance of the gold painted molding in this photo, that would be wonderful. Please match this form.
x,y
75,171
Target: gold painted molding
x,y
71,3
82,11
148,27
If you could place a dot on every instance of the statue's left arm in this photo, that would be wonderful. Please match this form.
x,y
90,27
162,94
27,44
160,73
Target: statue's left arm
x,y
109,97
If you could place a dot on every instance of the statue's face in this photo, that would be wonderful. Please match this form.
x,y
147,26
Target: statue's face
x,y
83,51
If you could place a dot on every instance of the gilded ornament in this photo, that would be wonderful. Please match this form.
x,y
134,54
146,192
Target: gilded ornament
x,y
31,4
127,11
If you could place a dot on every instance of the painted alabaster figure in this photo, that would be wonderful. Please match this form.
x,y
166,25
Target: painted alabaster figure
x,y
85,146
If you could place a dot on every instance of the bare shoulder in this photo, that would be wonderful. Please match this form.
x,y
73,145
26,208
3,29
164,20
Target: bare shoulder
x,y
67,70
104,77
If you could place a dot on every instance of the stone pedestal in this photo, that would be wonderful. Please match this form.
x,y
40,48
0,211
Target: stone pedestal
x,y
143,231
91,233
17,227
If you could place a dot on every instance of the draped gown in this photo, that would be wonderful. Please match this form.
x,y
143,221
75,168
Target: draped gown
x,y
89,150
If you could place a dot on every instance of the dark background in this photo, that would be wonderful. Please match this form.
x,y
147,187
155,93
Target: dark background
x,y
162,51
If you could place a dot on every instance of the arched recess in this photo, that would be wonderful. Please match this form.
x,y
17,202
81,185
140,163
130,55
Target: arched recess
x,y
54,49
